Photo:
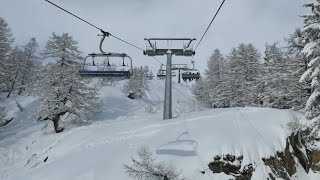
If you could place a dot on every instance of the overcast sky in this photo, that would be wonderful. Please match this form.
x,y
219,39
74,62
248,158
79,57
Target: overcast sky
x,y
254,21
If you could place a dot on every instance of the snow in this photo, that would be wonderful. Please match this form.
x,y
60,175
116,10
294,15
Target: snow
x,y
99,149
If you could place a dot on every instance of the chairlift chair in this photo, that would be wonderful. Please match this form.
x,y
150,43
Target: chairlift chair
x,y
95,69
162,73
191,74
101,70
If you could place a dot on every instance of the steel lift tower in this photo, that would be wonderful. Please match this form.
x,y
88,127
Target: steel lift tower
x,y
153,50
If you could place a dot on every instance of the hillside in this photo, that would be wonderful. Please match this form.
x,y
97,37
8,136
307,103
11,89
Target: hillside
x,y
98,148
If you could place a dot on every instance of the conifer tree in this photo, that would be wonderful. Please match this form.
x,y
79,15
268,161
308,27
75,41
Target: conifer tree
x,y
62,90
6,40
312,51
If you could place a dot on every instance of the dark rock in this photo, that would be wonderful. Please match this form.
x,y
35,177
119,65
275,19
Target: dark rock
x,y
283,164
230,164
315,159
131,95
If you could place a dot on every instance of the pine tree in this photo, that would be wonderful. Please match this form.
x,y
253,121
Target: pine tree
x,y
280,75
24,66
200,91
243,75
312,51
62,91
150,75
214,76
17,63
31,65
6,39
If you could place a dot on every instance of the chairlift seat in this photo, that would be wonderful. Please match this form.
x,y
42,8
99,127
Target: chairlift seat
x,y
86,73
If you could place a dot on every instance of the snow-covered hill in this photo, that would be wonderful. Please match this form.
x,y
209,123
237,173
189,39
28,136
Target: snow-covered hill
x,y
98,150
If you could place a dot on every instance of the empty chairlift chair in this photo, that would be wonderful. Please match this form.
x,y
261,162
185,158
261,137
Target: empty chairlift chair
x,y
162,73
103,67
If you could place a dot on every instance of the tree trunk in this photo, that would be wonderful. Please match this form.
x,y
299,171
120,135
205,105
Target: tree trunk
x,y
56,120
14,81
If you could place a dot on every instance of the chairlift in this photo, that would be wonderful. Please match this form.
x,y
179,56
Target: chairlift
x,y
162,73
103,68
191,74
100,64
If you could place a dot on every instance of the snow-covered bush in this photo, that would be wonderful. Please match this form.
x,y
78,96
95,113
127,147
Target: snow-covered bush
x,y
146,167
151,108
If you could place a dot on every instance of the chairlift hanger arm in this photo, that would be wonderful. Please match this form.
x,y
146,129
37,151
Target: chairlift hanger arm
x,y
151,45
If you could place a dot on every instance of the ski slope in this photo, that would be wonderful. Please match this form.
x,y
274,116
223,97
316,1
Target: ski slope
x,y
98,150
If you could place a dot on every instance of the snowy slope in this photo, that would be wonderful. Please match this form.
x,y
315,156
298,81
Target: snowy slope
x,y
189,141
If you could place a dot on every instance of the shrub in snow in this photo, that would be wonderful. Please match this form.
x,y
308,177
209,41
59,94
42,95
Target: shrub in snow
x,y
151,108
146,168
231,165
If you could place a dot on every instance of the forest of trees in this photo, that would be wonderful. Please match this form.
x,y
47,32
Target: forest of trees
x,y
245,77
283,76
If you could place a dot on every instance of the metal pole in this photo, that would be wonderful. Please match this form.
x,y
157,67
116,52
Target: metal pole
x,y
179,76
167,113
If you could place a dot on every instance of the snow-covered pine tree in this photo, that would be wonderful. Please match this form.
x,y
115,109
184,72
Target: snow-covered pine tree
x,y
31,65
295,42
6,39
243,75
214,78
24,66
200,91
235,79
312,50
150,75
62,90
17,63
137,85
280,76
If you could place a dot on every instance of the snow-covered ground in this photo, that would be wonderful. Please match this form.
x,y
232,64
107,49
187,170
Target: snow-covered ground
x,y
97,151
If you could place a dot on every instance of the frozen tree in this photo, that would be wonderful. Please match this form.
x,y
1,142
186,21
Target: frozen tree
x,y
146,168
230,79
137,85
243,75
281,74
312,50
200,91
150,75
31,65
214,78
24,66
6,40
62,91
17,63
295,42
